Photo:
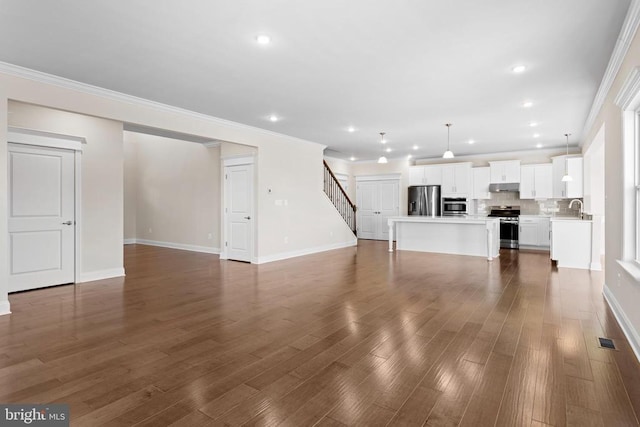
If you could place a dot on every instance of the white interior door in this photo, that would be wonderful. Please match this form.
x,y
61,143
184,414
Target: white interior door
x,y
41,217
388,205
367,203
376,201
239,212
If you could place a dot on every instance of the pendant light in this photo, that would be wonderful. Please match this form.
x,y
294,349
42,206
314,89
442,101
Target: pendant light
x,y
382,158
566,177
448,154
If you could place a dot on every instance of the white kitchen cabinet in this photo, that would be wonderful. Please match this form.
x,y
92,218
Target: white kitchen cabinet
x,y
425,175
416,175
533,232
571,243
528,235
456,179
481,177
536,181
571,189
544,232
504,171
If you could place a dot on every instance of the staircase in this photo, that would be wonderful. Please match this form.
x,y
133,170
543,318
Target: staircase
x,y
339,198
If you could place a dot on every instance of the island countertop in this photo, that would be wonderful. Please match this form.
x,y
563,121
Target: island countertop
x,y
474,235
463,219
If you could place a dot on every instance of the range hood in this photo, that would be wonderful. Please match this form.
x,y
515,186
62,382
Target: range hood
x,y
508,186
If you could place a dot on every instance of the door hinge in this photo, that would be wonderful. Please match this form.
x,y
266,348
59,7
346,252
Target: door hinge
x,y
226,244
226,176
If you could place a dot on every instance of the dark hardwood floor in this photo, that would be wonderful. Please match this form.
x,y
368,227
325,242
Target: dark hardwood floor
x,y
355,336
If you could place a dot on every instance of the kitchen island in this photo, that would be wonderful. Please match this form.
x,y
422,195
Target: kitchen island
x,y
466,235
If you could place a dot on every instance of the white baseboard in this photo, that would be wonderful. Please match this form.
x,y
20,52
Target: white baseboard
x,y
100,275
130,241
5,308
309,251
181,246
626,326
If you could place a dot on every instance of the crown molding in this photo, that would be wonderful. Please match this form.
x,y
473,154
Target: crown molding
x,y
627,32
629,90
62,82
212,144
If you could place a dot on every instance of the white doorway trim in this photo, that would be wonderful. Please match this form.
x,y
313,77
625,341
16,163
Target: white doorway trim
x,y
390,176
17,135
237,161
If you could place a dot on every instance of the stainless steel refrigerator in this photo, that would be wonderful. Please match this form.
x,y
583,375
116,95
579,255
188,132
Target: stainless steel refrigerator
x,y
424,200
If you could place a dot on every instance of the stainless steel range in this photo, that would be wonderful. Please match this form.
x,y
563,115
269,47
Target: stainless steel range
x,y
509,225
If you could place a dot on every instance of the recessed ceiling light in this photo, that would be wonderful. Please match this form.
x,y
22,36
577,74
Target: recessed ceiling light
x,y
388,150
273,118
351,129
518,68
415,147
263,39
539,145
536,135
527,104
409,156
352,158
471,141
533,124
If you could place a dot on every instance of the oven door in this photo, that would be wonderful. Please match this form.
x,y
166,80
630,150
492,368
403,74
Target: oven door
x,y
509,234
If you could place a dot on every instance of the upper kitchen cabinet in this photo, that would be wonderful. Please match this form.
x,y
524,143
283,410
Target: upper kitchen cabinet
x,y
569,189
536,181
481,177
504,171
456,179
425,175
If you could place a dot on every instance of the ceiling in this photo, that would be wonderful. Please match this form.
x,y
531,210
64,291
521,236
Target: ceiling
x,y
405,67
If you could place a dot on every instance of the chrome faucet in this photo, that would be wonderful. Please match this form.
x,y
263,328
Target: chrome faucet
x,y
581,206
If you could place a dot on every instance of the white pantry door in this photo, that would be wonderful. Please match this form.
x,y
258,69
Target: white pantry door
x,y
41,217
388,205
239,211
376,202
367,203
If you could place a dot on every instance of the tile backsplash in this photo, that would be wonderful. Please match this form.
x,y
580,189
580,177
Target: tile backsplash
x,y
527,207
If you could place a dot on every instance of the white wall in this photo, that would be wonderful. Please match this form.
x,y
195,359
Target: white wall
x,y
229,149
344,167
292,166
177,192
101,184
622,290
130,191
294,172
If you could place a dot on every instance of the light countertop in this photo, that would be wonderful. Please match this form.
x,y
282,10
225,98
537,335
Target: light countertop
x,y
467,219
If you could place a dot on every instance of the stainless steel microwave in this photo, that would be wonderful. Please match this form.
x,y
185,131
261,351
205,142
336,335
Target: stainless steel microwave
x,y
454,206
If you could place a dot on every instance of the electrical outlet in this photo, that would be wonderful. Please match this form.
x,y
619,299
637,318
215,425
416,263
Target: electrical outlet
x,y
209,236
150,230
286,239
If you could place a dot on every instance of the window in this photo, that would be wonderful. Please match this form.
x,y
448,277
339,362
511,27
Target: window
x,y
629,101
636,157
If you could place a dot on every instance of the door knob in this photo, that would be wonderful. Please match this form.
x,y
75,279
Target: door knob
x,y
247,217
67,223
